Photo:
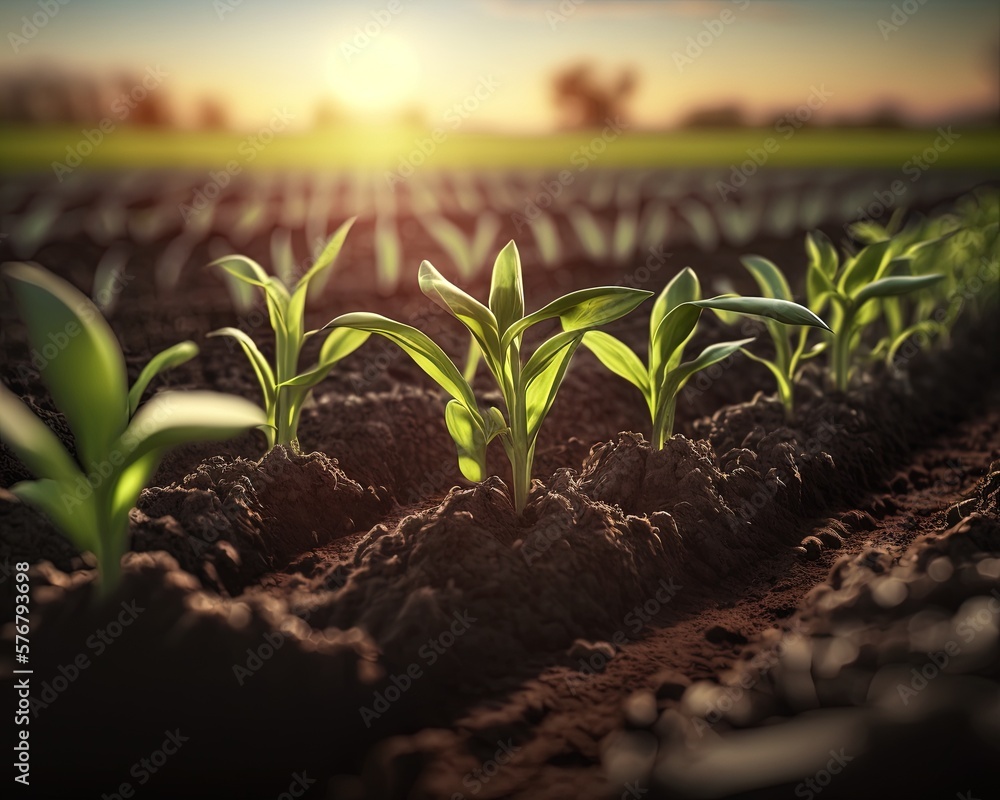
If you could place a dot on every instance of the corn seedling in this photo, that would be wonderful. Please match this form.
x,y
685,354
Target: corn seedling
x,y
118,445
284,389
528,387
672,324
468,253
849,287
591,232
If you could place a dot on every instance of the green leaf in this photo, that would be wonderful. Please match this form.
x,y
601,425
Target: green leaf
x,y
173,418
167,359
712,354
339,344
617,357
822,254
543,374
682,288
265,376
783,311
587,308
328,256
465,308
769,278
32,440
669,340
86,376
427,355
895,285
77,520
865,267
470,440
244,269
506,288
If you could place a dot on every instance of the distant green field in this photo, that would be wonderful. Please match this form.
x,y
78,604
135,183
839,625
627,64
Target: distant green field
x,y
396,150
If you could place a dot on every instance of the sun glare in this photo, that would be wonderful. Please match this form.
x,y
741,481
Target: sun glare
x,y
376,76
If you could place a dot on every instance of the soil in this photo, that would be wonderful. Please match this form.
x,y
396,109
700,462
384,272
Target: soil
x,y
709,620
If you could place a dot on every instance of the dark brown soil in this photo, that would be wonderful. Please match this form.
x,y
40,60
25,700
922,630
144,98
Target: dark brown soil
x,y
362,615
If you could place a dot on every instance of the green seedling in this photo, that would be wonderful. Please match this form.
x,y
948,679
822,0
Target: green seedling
x,y
672,324
788,353
285,390
118,445
528,387
850,287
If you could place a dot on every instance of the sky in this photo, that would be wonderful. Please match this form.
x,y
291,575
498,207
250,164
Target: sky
x,y
491,61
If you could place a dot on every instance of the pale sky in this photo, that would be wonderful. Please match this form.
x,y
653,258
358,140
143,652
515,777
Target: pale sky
x,y
432,54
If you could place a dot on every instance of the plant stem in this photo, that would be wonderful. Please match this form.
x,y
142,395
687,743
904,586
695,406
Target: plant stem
x,y
109,568
841,359
665,428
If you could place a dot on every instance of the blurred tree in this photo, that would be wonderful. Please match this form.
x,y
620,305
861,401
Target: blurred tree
x,y
726,116
212,115
586,102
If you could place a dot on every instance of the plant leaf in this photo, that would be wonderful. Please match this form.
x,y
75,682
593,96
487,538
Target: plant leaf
x,y
619,358
587,308
682,288
543,374
712,354
328,256
506,288
78,524
265,376
86,376
769,278
166,359
172,418
244,269
895,285
33,441
783,311
339,344
465,308
865,267
470,440
427,355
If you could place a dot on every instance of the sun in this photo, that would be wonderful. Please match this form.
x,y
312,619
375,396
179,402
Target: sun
x,y
376,76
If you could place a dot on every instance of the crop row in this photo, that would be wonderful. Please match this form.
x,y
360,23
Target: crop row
x,y
899,285
596,215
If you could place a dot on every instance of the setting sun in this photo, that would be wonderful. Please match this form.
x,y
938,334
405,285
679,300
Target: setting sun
x,y
375,75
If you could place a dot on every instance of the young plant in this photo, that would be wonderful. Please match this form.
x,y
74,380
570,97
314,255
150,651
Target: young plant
x,y
788,354
528,386
117,447
850,287
285,390
672,324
